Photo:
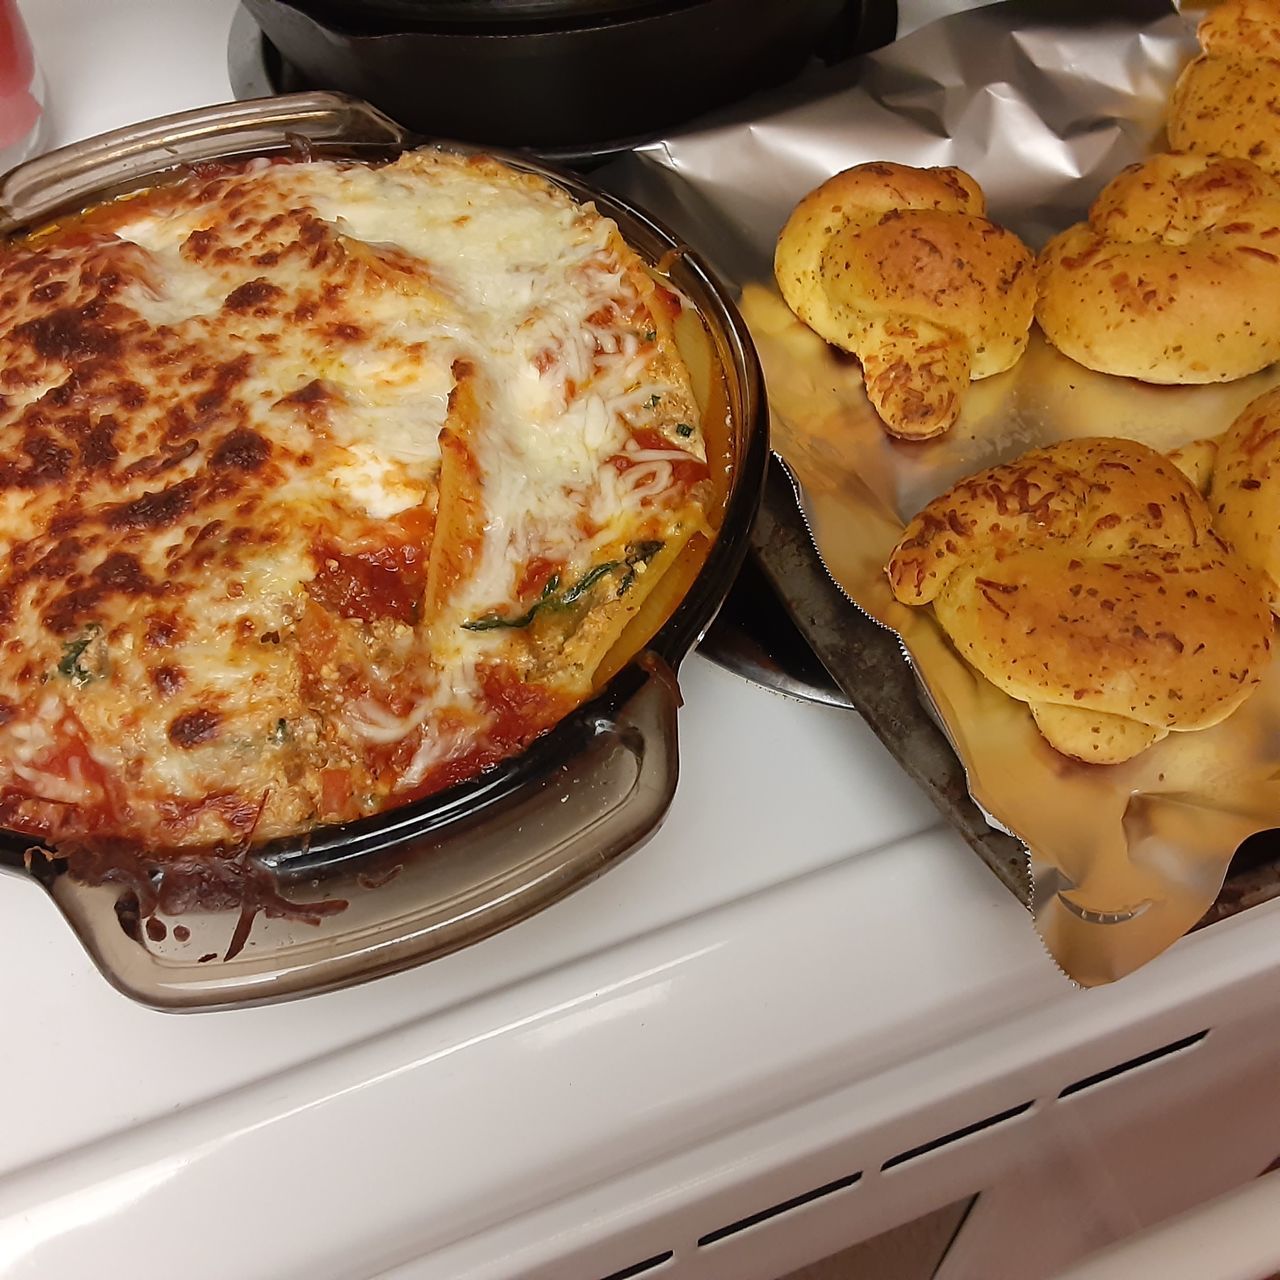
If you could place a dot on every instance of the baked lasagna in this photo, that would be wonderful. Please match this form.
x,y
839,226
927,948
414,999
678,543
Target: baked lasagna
x,y
324,486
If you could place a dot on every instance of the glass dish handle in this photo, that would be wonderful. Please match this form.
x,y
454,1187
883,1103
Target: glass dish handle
x,y
65,180
423,899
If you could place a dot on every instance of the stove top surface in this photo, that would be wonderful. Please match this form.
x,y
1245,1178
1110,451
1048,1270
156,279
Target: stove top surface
x,y
801,947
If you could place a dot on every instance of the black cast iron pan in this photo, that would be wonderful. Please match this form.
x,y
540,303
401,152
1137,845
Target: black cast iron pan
x,y
483,15
554,73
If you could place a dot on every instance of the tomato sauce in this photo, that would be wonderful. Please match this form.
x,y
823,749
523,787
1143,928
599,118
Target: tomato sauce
x,y
521,711
685,472
69,759
335,792
537,573
381,581
386,583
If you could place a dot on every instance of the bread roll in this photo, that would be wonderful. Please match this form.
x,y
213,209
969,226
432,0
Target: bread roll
x,y
1085,580
1195,460
1227,101
1175,276
901,267
1244,493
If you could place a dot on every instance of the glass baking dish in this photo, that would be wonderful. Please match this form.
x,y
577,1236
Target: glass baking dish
x,y
437,874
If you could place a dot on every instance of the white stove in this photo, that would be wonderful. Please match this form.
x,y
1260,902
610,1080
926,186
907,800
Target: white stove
x,y
803,989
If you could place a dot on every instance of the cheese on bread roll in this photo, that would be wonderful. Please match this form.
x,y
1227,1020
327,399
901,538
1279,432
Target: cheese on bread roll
x,y
1244,493
1174,276
1085,579
901,267
1227,101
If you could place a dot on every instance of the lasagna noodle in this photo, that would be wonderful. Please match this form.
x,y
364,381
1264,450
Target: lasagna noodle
x,y
460,515
601,631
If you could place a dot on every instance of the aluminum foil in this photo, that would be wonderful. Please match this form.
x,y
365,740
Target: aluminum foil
x,y
1042,104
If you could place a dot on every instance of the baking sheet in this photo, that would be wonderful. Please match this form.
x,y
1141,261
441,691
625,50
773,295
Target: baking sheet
x,y
1042,104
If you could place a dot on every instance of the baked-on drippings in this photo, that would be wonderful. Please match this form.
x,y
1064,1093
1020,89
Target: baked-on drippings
x,y
323,486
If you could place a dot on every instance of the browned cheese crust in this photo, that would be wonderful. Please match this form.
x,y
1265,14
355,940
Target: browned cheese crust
x,y
1173,278
1244,494
1227,101
901,267
260,427
1085,579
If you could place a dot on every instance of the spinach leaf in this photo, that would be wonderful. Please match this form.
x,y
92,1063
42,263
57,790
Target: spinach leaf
x,y
73,664
552,597
493,621
638,553
587,581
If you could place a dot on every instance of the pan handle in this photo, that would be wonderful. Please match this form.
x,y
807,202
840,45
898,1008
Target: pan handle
x,y
65,180
433,895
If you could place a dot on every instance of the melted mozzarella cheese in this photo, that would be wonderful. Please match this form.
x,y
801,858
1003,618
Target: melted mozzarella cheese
x,y
374,482
305,328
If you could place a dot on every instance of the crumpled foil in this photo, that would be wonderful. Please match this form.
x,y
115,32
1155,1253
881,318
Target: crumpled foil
x,y
1042,104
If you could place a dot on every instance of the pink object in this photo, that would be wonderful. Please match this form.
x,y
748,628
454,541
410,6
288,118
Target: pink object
x,y
19,107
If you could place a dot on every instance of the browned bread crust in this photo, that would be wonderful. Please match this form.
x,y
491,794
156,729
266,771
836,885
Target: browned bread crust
x,y
901,267
1244,493
1085,579
1174,277
1227,101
